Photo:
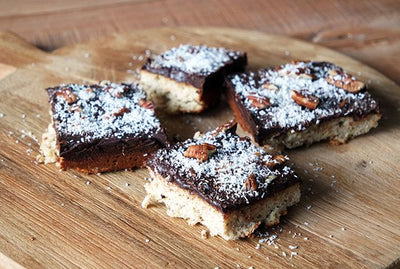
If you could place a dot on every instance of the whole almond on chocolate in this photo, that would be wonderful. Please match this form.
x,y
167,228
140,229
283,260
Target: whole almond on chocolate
x,y
305,100
344,81
201,152
146,104
259,102
68,95
251,183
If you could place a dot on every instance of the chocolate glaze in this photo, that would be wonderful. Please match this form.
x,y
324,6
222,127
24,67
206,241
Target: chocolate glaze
x,y
206,186
251,120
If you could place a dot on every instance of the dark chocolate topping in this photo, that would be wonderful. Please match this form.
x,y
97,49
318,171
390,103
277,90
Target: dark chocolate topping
x,y
221,179
102,116
193,64
308,79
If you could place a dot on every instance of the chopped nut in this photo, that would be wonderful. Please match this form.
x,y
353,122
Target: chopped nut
x,y
116,92
258,101
201,152
344,81
308,101
342,103
227,126
306,76
280,159
270,86
121,112
277,159
251,183
146,104
68,95
204,234
306,72
333,73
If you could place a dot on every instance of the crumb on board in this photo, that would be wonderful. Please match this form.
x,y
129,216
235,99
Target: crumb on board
x,y
204,234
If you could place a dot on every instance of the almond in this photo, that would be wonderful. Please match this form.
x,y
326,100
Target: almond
x,y
276,160
308,100
258,101
68,95
342,103
251,183
121,112
116,92
201,152
146,104
279,159
306,76
344,81
270,86
225,128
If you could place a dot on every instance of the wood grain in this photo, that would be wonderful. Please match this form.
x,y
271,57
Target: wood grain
x,y
366,30
52,219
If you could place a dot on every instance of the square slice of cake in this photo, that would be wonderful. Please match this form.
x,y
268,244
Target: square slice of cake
x,y
99,128
189,78
301,103
222,181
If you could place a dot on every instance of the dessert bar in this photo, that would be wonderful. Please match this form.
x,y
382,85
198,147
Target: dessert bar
x,y
301,103
189,78
222,181
98,128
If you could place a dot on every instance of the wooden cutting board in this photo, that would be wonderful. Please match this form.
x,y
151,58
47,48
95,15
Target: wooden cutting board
x,y
350,208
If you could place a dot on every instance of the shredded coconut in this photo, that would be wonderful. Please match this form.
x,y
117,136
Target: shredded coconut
x,y
223,176
200,60
95,113
283,111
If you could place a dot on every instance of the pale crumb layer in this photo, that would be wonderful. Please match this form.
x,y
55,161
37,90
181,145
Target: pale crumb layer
x,y
232,225
48,147
338,131
170,95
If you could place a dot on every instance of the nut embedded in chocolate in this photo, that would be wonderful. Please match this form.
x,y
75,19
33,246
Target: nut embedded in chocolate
x,y
276,160
121,112
201,152
258,101
68,95
270,86
251,183
344,81
146,104
308,101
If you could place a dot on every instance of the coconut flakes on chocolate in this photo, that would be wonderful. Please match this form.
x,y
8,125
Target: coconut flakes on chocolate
x,y
101,111
284,111
223,178
199,60
297,95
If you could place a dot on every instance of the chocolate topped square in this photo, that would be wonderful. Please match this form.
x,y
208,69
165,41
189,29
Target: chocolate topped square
x,y
226,174
102,127
302,103
189,78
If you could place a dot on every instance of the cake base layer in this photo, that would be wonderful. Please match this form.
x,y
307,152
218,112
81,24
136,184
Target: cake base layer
x,y
170,95
231,225
94,163
337,131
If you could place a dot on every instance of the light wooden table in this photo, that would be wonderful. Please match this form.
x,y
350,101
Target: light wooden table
x,y
366,30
